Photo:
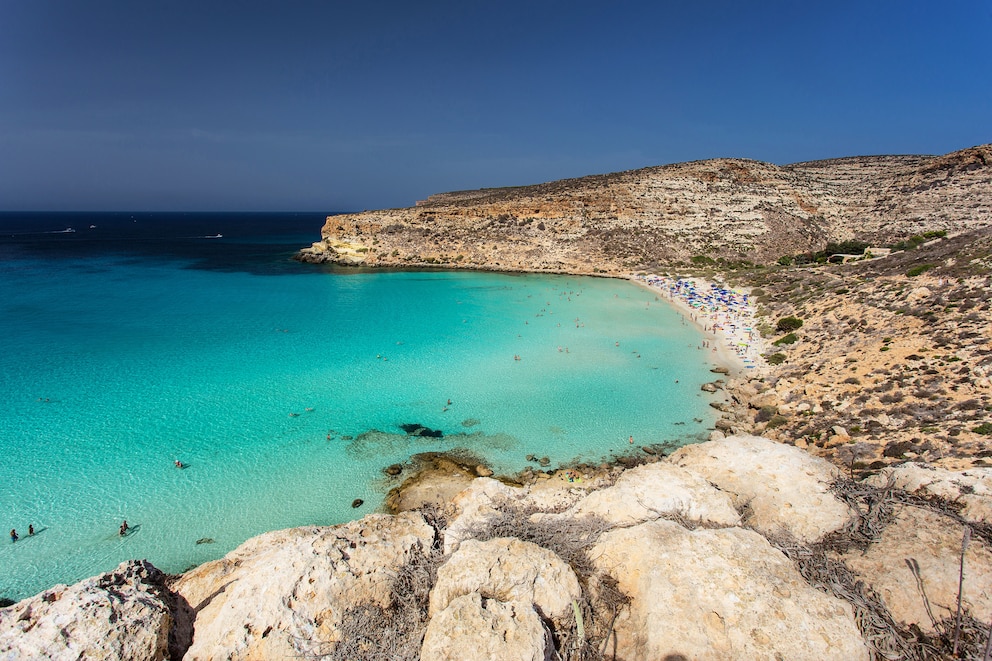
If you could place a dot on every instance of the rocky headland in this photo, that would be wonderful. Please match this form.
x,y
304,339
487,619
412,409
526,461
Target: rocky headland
x,y
733,210
841,509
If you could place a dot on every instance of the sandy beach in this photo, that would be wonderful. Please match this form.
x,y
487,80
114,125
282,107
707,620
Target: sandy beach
x,y
726,316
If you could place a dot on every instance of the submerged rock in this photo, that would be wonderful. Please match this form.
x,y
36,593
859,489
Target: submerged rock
x,y
414,429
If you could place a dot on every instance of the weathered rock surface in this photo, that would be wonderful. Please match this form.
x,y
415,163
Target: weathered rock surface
x,y
124,614
719,594
507,569
651,491
972,488
282,594
692,580
933,543
785,489
473,627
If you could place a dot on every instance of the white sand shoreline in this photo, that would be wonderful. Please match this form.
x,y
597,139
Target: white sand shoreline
x,y
725,316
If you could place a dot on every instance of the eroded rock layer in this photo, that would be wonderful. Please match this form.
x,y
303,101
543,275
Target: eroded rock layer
x,y
735,209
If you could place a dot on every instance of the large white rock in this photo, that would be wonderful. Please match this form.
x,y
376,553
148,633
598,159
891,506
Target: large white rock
x,y
472,628
720,594
647,492
507,569
282,594
786,489
484,497
476,504
933,543
124,614
972,487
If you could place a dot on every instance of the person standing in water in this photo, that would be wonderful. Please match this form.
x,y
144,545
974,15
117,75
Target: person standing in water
x,y
124,528
13,535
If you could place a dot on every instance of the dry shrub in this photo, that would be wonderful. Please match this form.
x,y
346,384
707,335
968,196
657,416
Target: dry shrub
x,y
571,540
886,639
371,632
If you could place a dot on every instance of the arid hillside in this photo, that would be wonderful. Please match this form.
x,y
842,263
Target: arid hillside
x,y
892,359
733,210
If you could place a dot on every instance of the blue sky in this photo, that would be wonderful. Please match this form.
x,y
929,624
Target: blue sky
x,y
326,106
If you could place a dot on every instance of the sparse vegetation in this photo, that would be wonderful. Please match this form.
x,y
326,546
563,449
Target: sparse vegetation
x,y
786,324
775,358
919,269
791,338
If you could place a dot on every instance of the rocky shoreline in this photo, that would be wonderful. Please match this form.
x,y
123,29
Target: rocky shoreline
x,y
736,548
842,508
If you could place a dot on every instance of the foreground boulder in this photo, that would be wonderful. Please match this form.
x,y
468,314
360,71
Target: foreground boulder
x,y
915,567
124,614
719,594
473,627
971,488
784,489
647,492
283,594
507,569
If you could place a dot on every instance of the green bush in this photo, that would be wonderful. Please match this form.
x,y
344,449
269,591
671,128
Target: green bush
x,y
776,421
786,324
785,260
791,338
919,270
775,358
984,429
702,260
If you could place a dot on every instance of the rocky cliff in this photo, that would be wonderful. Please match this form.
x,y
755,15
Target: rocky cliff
x,y
730,209
731,549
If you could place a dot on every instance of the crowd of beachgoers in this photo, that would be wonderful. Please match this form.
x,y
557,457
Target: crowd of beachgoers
x,y
727,315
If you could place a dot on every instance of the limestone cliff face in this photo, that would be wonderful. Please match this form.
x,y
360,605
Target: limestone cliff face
x,y
617,223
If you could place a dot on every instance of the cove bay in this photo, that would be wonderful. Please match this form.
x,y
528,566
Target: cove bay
x,y
131,341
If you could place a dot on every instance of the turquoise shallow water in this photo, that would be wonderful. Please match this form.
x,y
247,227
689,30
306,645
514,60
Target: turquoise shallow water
x,y
117,362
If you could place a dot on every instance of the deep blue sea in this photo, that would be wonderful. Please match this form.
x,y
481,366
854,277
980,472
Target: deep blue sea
x,y
138,339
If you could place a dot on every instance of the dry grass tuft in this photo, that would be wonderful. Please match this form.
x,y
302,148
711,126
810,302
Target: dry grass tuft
x,y
571,540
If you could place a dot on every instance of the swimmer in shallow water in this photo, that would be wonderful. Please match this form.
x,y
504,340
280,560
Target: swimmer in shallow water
x,y
124,528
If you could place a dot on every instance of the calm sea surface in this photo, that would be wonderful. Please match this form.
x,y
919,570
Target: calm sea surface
x,y
136,340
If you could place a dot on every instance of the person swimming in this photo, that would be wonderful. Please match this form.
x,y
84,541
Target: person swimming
x,y
179,464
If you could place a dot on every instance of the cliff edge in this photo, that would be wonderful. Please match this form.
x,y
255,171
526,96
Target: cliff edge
x,y
735,210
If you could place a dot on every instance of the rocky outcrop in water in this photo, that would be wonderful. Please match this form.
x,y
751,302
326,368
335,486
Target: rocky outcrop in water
x,y
730,209
677,558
